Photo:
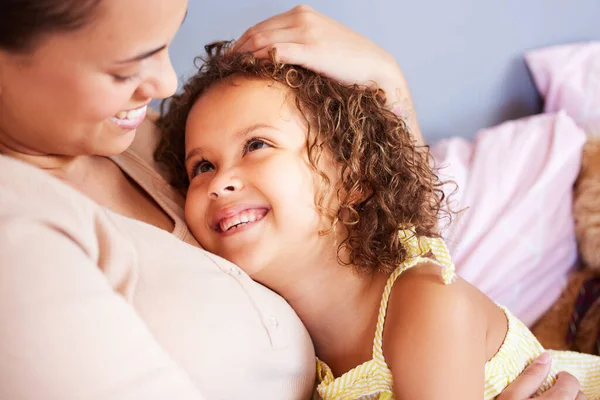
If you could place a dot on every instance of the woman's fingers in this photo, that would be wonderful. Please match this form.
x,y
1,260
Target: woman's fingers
x,y
529,381
581,396
565,388
295,18
305,37
328,47
293,53
266,40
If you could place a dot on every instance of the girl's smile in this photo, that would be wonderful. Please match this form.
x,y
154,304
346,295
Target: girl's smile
x,y
238,218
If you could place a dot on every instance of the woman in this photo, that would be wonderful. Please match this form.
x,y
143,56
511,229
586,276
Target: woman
x,y
103,292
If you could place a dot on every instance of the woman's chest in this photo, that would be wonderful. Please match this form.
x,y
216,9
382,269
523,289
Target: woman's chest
x,y
111,188
235,338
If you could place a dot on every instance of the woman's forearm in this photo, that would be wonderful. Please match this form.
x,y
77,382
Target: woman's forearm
x,y
393,83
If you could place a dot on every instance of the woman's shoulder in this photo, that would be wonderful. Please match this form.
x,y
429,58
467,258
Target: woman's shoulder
x,y
45,223
29,190
34,202
30,197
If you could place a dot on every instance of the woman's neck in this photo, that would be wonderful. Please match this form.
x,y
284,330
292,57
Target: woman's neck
x,y
101,180
67,168
339,307
90,175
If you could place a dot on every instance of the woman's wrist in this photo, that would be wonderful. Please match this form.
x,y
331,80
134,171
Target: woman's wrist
x,y
392,81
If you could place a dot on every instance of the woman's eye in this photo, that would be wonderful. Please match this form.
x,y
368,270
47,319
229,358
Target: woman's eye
x,y
201,167
124,78
255,144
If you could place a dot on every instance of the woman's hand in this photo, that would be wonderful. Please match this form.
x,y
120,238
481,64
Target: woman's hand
x,y
565,388
308,38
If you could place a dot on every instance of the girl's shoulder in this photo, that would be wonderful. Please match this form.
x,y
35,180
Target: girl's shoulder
x,y
423,288
436,330
421,302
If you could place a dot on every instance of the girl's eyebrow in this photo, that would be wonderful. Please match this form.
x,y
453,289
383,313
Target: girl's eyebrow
x,y
238,136
245,132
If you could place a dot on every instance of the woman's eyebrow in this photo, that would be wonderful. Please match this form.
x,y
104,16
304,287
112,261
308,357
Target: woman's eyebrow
x,y
142,56
150,53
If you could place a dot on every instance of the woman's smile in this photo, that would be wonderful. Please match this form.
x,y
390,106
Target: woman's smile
x,y
131,119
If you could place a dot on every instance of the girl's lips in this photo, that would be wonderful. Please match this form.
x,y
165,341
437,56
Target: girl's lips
x,y
232,210
242,227
130,124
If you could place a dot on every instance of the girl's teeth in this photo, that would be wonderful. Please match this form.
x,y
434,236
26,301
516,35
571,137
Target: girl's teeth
x,y
122,114
248,216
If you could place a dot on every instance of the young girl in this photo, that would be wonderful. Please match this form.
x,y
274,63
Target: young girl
x,y
317,191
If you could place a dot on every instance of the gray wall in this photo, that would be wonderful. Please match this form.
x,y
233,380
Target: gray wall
x,y
463,58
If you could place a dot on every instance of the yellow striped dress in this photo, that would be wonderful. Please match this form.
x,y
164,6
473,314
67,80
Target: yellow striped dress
x,y
373,379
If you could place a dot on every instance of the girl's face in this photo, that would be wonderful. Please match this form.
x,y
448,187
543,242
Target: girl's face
x,y
252,190
85,92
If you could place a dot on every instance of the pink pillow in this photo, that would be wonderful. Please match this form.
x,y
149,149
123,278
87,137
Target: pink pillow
x,y
515,241
568,78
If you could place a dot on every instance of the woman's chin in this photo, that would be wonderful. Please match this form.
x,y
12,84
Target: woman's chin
x,y
113,141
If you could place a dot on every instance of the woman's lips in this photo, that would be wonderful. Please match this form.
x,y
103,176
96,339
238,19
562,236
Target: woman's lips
x,y
129,120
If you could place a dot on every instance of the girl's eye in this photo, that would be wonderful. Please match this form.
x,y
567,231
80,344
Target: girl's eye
x,y
201,167
255,144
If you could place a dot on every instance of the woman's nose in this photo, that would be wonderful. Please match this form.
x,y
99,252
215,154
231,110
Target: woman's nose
x,y
163,81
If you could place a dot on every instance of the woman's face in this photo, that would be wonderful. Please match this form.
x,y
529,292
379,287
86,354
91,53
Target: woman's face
x,y
85,92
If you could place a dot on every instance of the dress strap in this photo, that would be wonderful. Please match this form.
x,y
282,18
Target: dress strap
x,y
419,249
419,246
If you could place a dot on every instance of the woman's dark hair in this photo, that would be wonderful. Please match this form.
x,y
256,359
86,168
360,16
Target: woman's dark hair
x,y
387,182
24,22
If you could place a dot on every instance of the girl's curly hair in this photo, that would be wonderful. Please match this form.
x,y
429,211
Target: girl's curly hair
x,y
386,183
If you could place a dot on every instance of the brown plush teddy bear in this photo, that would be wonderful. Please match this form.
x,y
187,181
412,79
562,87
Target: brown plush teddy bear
x,y
573,323
586,204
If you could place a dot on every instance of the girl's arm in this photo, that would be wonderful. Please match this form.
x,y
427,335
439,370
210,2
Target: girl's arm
x,y
306,37
434,338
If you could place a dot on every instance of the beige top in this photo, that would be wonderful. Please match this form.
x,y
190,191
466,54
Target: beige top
x,y
94,305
